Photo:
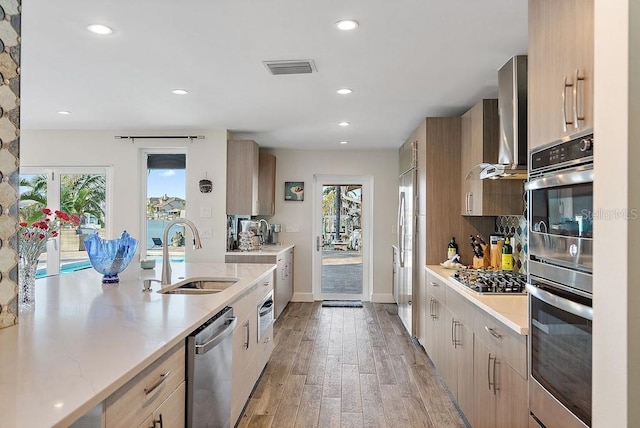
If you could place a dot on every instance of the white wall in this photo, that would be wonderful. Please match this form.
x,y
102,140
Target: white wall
x,y
100,148
616,294
301,165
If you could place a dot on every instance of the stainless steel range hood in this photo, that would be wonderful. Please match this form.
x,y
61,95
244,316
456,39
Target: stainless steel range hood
x,y
512,109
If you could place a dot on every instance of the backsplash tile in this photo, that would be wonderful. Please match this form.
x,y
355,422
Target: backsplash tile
x,y
515,226
9,159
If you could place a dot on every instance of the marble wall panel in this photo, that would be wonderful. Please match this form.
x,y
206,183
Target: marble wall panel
x,y
9,158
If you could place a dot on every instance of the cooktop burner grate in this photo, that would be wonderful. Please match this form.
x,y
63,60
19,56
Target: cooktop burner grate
x,y
484,281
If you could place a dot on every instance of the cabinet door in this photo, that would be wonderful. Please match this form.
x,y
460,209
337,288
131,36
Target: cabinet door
x,y
448,367
433,321
464,360
465,160
512,405
242,177
484,413
171,413
560,42
243,372
267,184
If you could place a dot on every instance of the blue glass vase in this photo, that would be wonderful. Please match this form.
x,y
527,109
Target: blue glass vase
x,y
110,257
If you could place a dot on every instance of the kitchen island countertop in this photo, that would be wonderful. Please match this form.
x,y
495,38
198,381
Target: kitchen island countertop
x,y
84,340
511,310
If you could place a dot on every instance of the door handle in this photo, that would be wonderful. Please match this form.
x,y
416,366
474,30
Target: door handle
x,y
248,331
226,331
565,121
576,116
317,243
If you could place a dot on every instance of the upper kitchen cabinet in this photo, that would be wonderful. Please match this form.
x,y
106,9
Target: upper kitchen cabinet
x,y
267,184
242,177
479,144
560,69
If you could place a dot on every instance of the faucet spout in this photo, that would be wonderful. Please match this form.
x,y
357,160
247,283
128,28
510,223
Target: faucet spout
x,y
166,264
263,239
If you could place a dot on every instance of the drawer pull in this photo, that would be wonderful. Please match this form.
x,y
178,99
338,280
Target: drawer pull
x,y
435,284
266,284
156,385
158,422
492,332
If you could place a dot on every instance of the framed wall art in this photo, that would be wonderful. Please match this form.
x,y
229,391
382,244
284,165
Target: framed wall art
x,y
294,190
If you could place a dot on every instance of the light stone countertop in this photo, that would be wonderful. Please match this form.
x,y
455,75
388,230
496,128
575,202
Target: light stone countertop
x,y
84,340
511,310
267,250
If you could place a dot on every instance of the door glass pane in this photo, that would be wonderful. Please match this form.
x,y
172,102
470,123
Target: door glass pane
x,y
342,240
165,202
33,197
85,196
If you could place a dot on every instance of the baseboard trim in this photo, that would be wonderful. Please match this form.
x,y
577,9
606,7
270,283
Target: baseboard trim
x,y
302,297
382,298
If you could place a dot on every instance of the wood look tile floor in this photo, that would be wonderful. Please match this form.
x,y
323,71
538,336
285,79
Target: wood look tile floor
x,y
347,367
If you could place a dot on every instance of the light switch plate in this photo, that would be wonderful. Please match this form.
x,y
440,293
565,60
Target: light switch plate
x,y
292,228
205,212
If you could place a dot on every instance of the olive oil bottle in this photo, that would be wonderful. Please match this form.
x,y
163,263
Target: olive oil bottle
x,y
507,255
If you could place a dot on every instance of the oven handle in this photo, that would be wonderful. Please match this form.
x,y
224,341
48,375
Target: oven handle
x,y
566,305
577,175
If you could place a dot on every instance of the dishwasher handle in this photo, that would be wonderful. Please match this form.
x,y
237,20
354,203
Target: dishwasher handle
x,y
230,324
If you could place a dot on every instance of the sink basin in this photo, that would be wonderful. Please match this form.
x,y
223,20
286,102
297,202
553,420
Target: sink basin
x,y
204,286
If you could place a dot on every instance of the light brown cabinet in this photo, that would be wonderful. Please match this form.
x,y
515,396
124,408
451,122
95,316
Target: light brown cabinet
x,y
560,50
479,144
483,363
157,391
267,184
242,177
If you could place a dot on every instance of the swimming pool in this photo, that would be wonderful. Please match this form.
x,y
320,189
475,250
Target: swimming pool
x,y
68,267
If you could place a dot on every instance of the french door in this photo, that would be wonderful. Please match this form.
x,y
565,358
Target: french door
x,y
84,191
342,245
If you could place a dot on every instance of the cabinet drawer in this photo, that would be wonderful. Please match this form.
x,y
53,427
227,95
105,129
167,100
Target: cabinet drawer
x,y
511,346
244,305
461,308
265,285
135,401
436,287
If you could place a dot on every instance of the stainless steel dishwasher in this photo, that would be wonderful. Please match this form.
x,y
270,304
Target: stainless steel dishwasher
x,y
209,352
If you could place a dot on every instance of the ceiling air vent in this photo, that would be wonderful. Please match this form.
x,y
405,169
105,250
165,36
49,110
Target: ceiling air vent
x,y
303,66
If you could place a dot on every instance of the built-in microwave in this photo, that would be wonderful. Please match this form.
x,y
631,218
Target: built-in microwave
x,y
265,314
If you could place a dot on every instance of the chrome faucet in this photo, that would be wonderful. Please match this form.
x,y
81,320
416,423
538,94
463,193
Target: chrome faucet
x,y
262,237
166,265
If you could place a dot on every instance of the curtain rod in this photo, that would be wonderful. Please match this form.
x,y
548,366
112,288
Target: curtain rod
x,y
133,137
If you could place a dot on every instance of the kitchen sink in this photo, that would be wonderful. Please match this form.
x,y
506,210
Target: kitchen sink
x,y
203,286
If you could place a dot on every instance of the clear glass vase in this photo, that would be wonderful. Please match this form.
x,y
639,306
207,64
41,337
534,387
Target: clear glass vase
x,y
27,282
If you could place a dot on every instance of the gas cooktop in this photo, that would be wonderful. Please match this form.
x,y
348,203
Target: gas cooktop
x,y
483,281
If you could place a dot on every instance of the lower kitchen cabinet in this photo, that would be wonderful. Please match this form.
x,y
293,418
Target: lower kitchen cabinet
x,y
158,391
483,362
250,354
502,399
283,285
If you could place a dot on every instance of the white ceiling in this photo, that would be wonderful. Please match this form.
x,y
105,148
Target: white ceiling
x,y
407,60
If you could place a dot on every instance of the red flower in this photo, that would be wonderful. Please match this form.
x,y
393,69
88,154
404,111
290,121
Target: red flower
x,y
46,211
23,224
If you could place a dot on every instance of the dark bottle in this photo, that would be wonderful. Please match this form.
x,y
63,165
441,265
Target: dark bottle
x,y
507,255
452,249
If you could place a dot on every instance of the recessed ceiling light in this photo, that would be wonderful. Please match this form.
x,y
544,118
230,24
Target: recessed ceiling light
x,y
344,124
99,29
347,24
344,91
179,92
344,142
64,112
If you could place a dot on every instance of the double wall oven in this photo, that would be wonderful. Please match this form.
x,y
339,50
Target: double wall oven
x,y
560,194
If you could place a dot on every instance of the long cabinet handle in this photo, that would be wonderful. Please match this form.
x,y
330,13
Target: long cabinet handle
x,y
470,202
248,331
565,120
577,116
454,333
495,361
156,385
489,371
317,243
158,422
492,332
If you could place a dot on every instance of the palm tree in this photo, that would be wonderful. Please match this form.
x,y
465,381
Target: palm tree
x,y
80,194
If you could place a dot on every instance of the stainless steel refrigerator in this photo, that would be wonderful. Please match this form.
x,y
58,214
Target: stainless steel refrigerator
x,y
407,232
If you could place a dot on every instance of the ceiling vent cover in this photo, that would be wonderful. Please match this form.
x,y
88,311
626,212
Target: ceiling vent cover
x,y
303,66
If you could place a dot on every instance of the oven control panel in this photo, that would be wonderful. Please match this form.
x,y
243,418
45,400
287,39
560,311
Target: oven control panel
x,y
572,151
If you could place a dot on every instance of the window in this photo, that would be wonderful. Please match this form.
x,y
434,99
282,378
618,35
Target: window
x,y
80,191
